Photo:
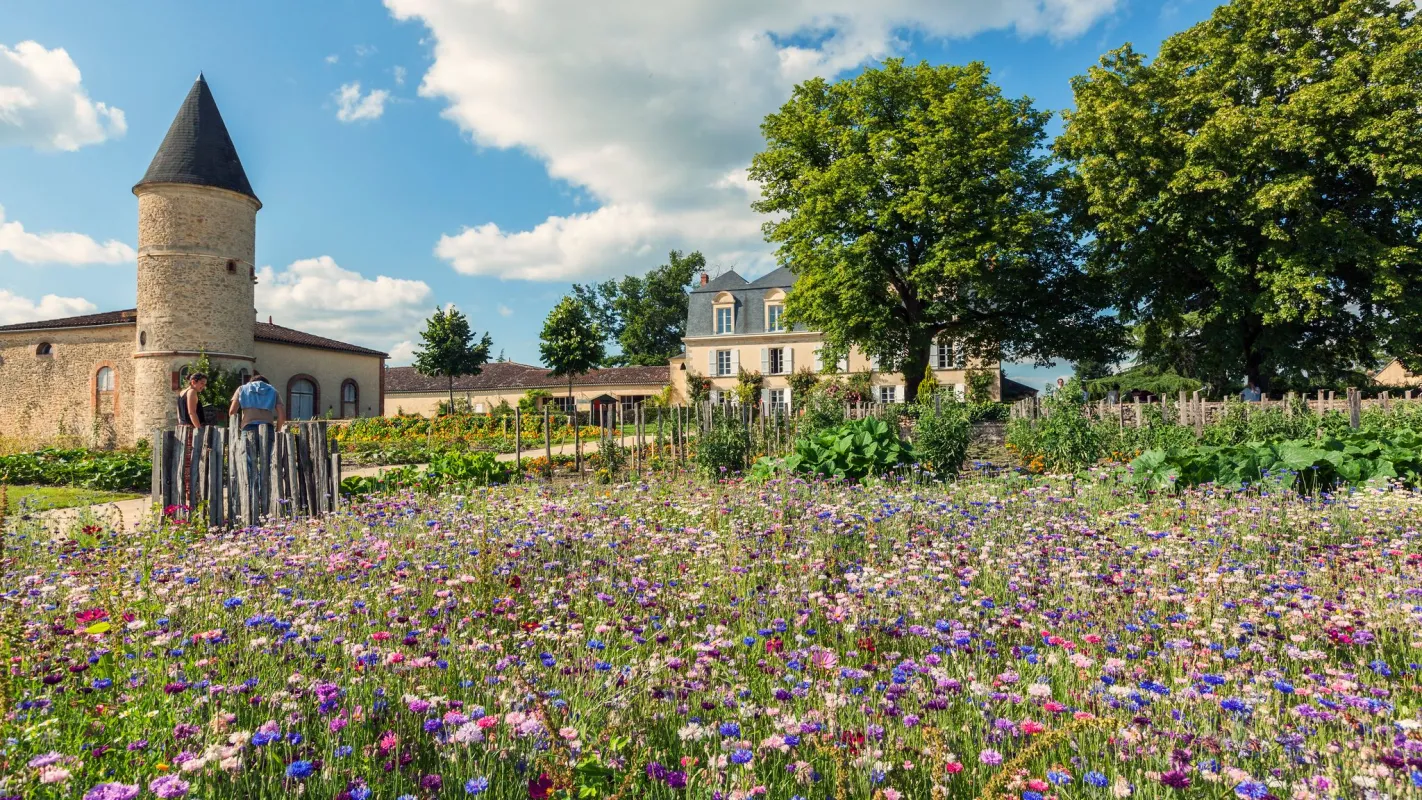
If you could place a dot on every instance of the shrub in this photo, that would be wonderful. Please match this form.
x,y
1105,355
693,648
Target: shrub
x,y
822,409
1064,439
92,469
724,447
940,437
928,387
852,451
480,467
802,382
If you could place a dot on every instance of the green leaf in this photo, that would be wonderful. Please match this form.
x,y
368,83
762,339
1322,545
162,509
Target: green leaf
x,y
98,627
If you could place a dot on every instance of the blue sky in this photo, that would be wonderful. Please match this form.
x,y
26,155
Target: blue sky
x,y
486,154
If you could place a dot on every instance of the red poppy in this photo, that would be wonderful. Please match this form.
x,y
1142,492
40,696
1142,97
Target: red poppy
x,y
528,627
774,645
866,644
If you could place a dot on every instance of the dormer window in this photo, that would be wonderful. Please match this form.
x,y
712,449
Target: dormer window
x,y
773,314
725,320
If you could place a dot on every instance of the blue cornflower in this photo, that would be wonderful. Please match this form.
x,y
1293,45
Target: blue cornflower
x,y
102,683
1096,779
1251,790
343,751
1235,705
594,644
741,756
547,659
300,770
1284,686
1213,680
260,739
360,793
1030,795
232,602
1059,778
476,785
729,729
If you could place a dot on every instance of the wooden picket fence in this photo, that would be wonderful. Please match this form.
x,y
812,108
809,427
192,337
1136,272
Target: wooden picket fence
x,y
233,477
1191,409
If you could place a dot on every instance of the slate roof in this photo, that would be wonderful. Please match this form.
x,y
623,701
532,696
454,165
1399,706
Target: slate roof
x,y
267,332
197,149
749,297
510,375
1014,390
128,317
262,332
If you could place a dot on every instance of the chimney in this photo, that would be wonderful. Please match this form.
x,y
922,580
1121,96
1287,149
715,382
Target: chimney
x,y
705,279
269,319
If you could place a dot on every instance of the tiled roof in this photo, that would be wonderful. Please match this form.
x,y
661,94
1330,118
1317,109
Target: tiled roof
x,y
262,331
197,149
512,375
127,317
267,332
749,302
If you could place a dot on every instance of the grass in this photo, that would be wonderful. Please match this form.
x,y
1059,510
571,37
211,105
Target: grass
x,y
44,498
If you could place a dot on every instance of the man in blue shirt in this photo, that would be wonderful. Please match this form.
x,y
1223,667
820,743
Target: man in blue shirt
x,y
1251,394
259,404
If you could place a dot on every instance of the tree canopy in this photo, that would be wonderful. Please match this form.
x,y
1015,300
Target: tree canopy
x,y
1254,192
447,348
917,202
644,316
571,342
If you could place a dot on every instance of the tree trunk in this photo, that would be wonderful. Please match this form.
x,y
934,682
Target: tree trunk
x,y
1253,359
451,395
914,366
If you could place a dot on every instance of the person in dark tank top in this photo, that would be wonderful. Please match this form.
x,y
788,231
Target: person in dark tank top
x,y
190,403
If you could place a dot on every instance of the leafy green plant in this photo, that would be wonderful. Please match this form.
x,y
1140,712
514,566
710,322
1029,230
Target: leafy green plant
x,y
854,450
480,467
93,469
725,447
940,437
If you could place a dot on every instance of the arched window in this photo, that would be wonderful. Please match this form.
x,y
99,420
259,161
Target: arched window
x,y
44,349
350,399
301,397
243,376
105,384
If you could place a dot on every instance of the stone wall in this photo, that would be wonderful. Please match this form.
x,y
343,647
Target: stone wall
x,y
196,288
328,369
47,398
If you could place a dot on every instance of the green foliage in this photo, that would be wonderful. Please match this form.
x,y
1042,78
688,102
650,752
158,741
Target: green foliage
x,y
724,448
1065,439
928,387
1143,378
859,387
914,201
1252,191
802,382
478,467
748,385
853,451
644,316
533,400
109,470
448,350
979,385
940,435
571,342
1374,458
821,408
222,383
698,386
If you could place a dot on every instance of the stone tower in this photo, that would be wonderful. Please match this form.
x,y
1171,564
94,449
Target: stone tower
x,y
197,239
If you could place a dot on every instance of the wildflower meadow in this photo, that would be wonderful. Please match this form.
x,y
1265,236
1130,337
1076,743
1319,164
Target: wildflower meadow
x,y
1010,636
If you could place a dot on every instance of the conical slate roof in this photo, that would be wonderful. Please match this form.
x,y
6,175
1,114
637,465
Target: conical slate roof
x,y
197,149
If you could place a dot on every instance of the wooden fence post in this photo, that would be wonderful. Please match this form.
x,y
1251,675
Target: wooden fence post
x,y
548,439
518,441
577,443
1355,408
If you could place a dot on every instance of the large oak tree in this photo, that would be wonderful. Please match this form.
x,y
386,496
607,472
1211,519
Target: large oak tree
x,y
1254,191
917,201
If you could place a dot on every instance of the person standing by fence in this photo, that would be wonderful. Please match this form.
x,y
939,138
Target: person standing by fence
x,y
260,408
189,423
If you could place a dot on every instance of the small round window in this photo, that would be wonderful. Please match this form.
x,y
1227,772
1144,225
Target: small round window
x,y
143,338
44,349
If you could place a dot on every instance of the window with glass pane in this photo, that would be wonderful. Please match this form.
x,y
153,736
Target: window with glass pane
x,y
724,320
777,400
888,394
772,318
723,362
105,379
350,394
303,399
776,360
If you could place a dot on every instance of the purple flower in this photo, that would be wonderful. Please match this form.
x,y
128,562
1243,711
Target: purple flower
x,y
431,783
990,757
1175,779
169,786
112,791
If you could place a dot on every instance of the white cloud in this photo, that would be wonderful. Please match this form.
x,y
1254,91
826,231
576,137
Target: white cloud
x,y
15,309
400,74
319,296
401,353
363,50
656,115
59,248
356,108
333,59
505,311
43,103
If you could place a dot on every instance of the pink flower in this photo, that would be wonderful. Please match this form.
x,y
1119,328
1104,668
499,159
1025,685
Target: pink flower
x,y
488,722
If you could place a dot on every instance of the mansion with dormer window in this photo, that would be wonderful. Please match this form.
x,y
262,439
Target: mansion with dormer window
x,y
734,324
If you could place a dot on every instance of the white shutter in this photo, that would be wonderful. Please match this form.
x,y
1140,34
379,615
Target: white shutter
x,y
787,400
933,355
711,362
765,399
844,364
736,362
789,360
819,361
765,360
900,393
960,391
